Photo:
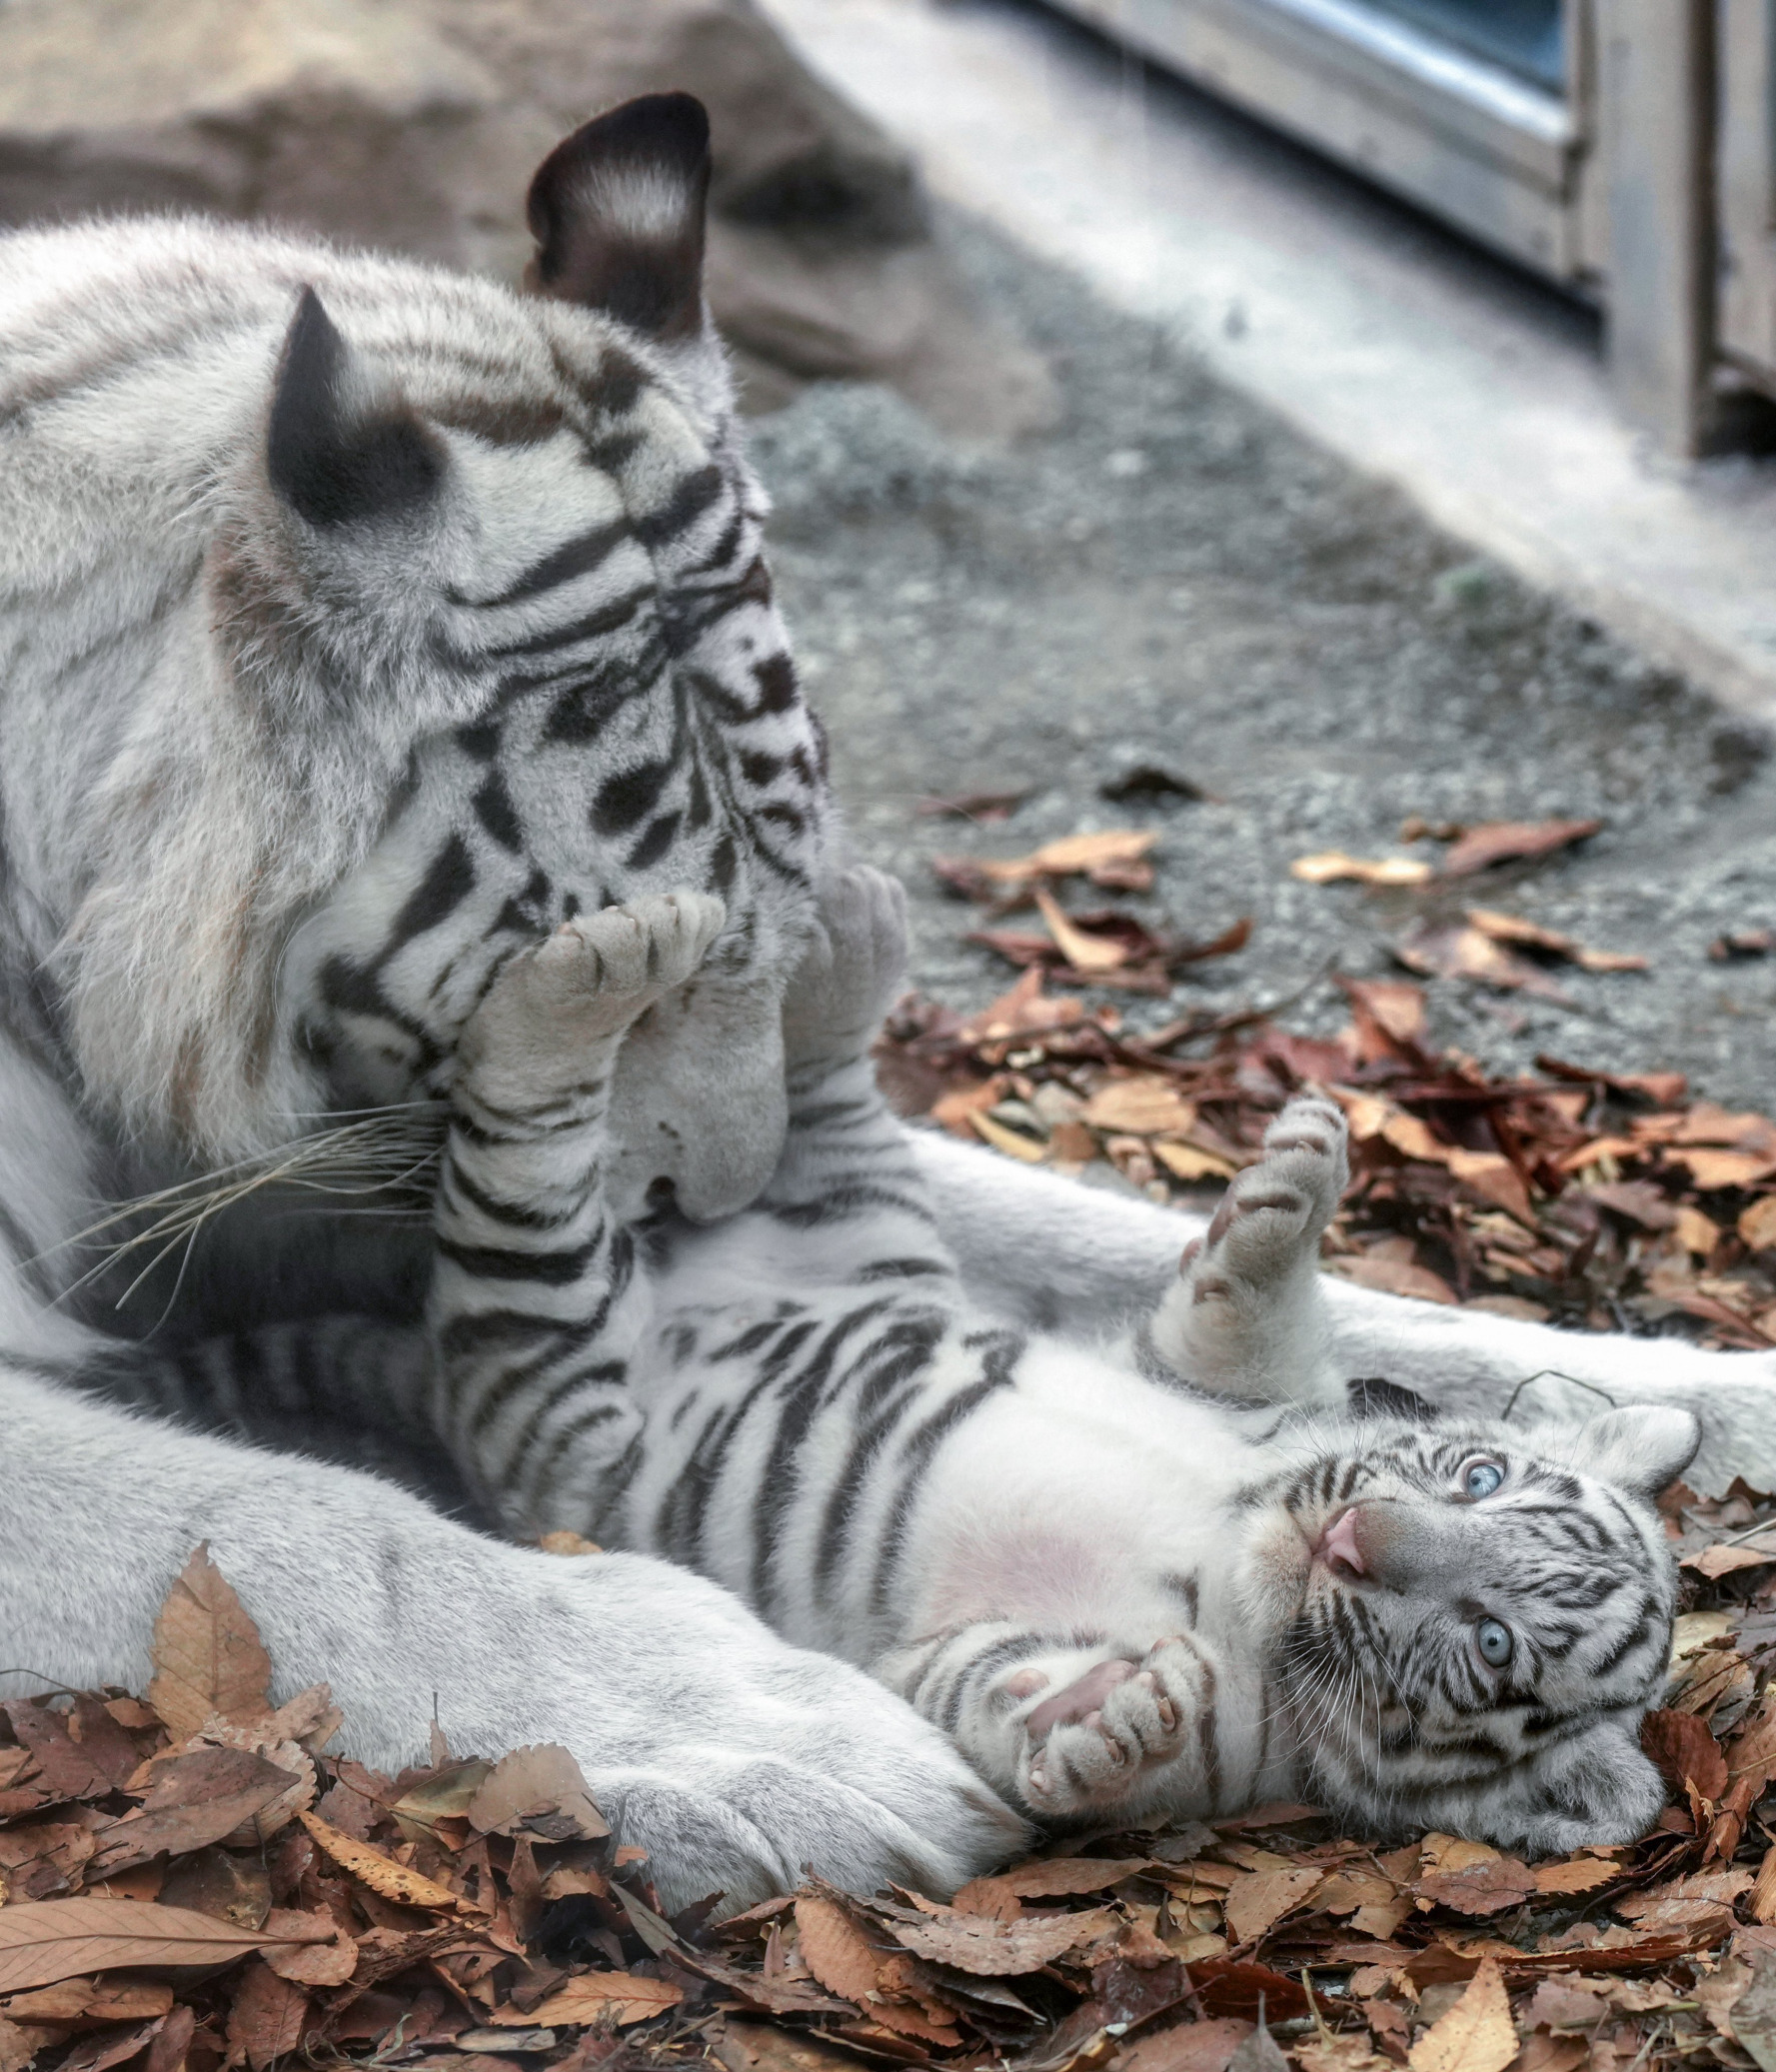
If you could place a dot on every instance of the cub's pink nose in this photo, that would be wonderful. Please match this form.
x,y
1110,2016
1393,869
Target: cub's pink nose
x,y
1337,1543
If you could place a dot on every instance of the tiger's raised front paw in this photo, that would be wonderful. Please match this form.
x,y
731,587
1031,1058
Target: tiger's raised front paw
x,y
527,1041
853,973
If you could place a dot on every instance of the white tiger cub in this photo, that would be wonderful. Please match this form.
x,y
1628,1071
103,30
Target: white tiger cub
x,y
1170,1577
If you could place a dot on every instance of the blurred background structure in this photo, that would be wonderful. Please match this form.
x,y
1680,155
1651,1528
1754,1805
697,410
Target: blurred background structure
x,y
1622,148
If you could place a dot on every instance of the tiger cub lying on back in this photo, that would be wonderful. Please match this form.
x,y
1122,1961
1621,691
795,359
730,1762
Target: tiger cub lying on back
x,y
1168,1577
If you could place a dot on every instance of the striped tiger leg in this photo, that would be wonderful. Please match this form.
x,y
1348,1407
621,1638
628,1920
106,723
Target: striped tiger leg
x,y
1069,1727
847,1167
535,1306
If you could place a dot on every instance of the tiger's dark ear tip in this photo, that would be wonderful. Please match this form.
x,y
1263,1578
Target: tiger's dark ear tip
x,y
1375,1397
329,460
617,210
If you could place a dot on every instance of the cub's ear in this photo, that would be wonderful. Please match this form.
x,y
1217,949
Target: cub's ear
x,y
337,452
618,214
1375,1397
1642,1448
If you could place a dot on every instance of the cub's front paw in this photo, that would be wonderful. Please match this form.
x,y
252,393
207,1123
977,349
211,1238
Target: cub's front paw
x,y
851,973
1270,1221
586,983
1098,1741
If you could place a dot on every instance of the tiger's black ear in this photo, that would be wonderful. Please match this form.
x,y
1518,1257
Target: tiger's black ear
x,y
618,214
336,453
1374,1397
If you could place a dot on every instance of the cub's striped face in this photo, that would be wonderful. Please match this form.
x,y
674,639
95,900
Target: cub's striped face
x,y
1470,1630
566,535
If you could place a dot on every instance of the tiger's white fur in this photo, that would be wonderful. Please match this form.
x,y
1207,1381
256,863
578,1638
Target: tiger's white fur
x,y
227,755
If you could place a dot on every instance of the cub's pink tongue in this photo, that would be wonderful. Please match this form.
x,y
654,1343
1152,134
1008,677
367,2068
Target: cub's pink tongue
x,y
1338,1542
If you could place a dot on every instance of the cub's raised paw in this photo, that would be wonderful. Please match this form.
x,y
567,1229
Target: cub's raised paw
x,y
589,980
1098,1742
1243,1320
1271,1218
853,971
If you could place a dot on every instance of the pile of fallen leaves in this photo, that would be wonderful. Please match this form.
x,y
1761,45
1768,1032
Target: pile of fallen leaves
x,y
1603,1200
190,1881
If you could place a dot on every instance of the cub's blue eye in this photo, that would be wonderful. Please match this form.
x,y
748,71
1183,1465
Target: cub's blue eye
x,y
1494,1642
1480,1477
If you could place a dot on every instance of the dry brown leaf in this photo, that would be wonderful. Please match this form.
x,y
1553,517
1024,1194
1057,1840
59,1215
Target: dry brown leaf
x,y
539,1788
1682,1901
1084,854
1012,1143
1258,1902
1576,1874
317,1963
200,1797
834,1948
207,1653
1186,1162
446,1795
384,1877
993,1948
311,1719
1757,1224
1685,1752
1712,1169
1199,2046
20,2043
1510,928
1483,1885
1332,865
98,2053
1476,2034
1443,950
266,2020
1495,1178
1065,1877
77,1999
44,1940
1721,1560
1333,2053
1507,842
1390,1267
619,1996
1141,1106
1084,953
1394,1010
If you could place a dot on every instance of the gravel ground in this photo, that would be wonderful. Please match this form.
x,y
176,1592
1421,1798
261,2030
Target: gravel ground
x,y
1171,576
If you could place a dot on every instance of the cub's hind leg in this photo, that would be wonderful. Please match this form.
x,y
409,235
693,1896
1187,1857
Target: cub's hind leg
x,y
1245,1317
536,1305
846,1196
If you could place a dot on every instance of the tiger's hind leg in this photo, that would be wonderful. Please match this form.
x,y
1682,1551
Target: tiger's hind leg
x,y
536,1305
1245,1318
847,1195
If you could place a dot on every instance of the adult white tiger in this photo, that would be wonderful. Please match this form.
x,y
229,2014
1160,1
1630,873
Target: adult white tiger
x,y
356,625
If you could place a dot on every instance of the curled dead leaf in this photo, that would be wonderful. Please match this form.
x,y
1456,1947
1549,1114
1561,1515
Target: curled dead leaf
x,y
1476,2035
540,1790
1331,865
384,1877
